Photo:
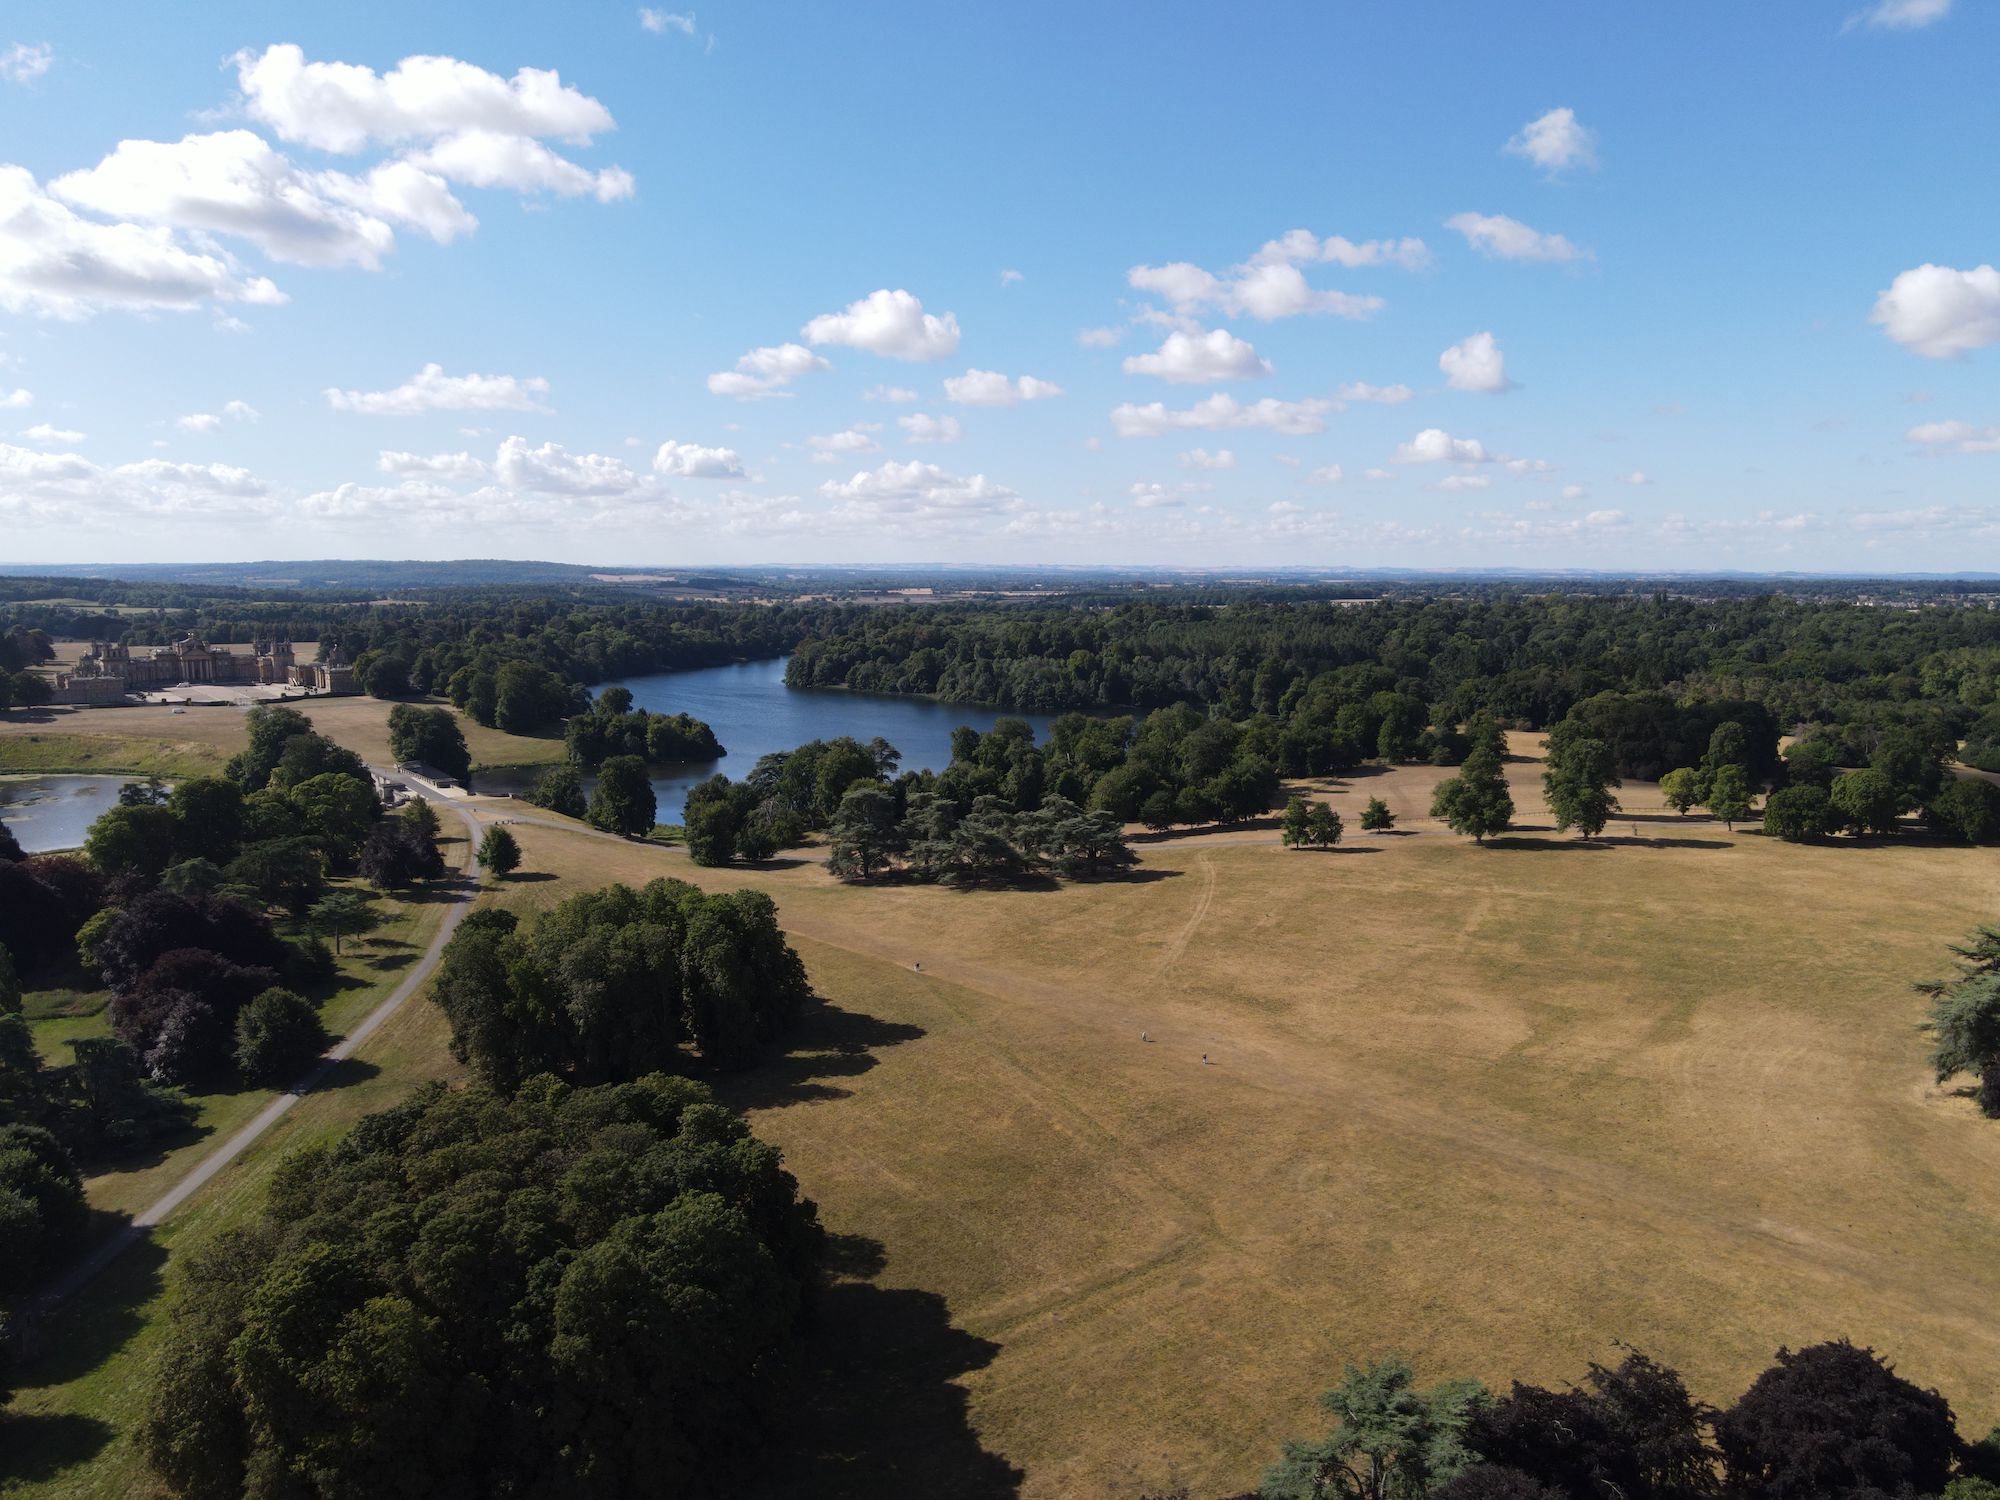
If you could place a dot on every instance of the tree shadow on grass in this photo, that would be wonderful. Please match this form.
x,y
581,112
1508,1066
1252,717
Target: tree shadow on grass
x,y
879,1414
529,877
40,1448
1138,876
65,1343
1337,849
832,1042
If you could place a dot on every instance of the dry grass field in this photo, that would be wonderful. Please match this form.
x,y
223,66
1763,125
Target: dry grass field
x,y
1495,1107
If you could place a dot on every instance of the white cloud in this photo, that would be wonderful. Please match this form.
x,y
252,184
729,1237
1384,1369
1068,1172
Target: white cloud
x,y
1101,338
1636,477
16,399
201,421
552,470
1605,518
1379,474
1201,458
430,389
343,107
1009,277
692,461
1527,468
991,388
241,411
1502,238
1436,446
1200,358
45,434
1300,246
56,264
1221,411
888,323
1265,290
1465,481
1900,15
1574,492
67,487
1382,395
918,492
1328,474
657,22
491,158
1941,313
922,427
1555,142
1149,496
766,371
835,445
889,393
1475,364
449,468
1957,437
24,62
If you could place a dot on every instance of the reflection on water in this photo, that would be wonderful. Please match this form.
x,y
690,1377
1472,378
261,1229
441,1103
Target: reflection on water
x,y
753,713
54,812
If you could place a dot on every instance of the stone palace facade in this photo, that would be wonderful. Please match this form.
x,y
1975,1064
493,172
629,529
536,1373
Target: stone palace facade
x,y
111,669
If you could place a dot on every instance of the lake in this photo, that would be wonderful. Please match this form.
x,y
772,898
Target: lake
x,y
54,812
753,713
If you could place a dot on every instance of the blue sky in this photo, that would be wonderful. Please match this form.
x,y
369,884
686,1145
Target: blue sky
x,y
1665,286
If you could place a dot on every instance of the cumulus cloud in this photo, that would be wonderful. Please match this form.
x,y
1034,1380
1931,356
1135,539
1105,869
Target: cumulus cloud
x,y
552,469
1637,477
888,323
1327,474
342,107
1200,358
1150,496
660,21
1101,338
766,372
918,492
1555,142
1222,411
1201,458
430,389
1955,437
1475,364
56,264
1574,492
208,421
922,427
1502,238
835,445
68,487
991,388
447,468
492,159
1900,15
889,393
24,62
1941,313
1009,277
16,399
692,461
1465,481
1436,446
1302,247
1264,290
47,435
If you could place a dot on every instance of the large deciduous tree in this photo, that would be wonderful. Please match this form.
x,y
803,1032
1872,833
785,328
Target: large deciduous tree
x,y
623,802
1390,1440
1476,801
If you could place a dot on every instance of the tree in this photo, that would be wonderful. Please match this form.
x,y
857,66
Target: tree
x,y
1323,826
1682,789
10,985
278,1036
42,1210
526,696
1084,845
1577,783
134,840
560,790
344,914
430,735
1391,1440
1964,1020
1376,817
1968,810
399,853
1834,1420
500,851
864,835
1729,795
337,809
208,812
1293,829
1798,813
623,802
1913,763
1811,762
388,677
709,821
152,792
1157,812
289,873
1476,801
1865,802
608,1331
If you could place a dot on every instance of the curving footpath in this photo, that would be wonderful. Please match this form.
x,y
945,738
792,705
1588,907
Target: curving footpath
x,y
209,1166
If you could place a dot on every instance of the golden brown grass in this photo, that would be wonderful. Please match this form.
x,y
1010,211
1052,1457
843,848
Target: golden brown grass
x,y
1494,1107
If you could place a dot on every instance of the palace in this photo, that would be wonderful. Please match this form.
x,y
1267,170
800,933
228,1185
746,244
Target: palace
x,y
111,669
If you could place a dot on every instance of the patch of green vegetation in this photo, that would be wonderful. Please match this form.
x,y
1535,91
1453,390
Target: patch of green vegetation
x,y
108,754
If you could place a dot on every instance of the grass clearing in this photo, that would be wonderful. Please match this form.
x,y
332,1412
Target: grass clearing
x,y
1492,1106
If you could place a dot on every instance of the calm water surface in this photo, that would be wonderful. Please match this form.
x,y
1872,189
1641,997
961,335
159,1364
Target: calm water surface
x,y
54,812
753,713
